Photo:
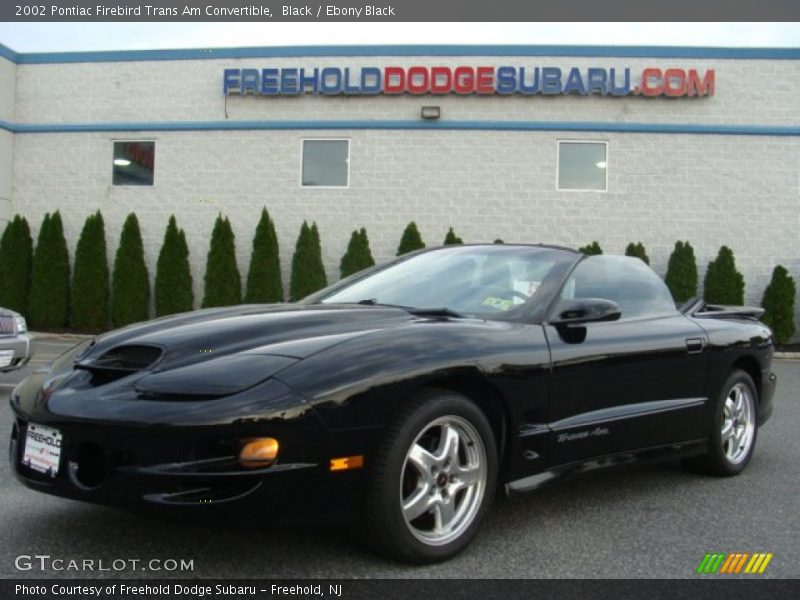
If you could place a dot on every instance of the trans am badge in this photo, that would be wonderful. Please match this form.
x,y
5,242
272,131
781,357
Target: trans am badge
x,y
582,435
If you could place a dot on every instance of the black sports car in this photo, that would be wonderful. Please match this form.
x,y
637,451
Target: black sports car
x,y
405,395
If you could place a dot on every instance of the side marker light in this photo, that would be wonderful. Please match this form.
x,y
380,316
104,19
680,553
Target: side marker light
x,y
347,462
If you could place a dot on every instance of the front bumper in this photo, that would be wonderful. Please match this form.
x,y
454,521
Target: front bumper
x,y
21,348
193,468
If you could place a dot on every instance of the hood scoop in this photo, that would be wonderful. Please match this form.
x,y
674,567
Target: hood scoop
x,y
120,362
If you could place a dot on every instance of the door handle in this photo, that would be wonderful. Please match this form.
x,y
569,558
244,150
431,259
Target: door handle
x,y
694,345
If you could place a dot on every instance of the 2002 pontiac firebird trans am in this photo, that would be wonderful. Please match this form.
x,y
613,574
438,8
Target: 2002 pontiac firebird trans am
x,y
405,394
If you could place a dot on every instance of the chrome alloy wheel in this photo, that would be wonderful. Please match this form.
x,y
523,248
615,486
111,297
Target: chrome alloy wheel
x,y
443,480
738,423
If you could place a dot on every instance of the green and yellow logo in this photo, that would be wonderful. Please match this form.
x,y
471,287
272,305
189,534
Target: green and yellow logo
x,y
718,563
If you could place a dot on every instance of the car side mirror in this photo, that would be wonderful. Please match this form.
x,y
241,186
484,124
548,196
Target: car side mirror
x,y
585,310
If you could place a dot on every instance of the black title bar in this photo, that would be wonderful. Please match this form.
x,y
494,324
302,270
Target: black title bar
x,y
399,10
347,589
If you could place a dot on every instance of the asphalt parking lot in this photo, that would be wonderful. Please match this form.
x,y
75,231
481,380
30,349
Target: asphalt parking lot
x,y
645,521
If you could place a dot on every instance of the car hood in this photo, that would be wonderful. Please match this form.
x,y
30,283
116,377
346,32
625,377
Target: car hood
x,y
218,352
288,330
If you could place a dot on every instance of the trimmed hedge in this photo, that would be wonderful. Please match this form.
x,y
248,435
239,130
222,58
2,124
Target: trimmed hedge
x,y
90,293
638,251
411,240
223,284
451,238
723,283
130,281
681,278
264,283
48,307
16,259
358,256
308,271
173,289
591,249
37,282
778,303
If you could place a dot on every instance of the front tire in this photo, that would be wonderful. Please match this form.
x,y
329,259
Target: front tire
x,y
734,428
433,479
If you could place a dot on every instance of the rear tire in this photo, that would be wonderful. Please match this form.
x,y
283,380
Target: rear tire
x,y
734,429
433,479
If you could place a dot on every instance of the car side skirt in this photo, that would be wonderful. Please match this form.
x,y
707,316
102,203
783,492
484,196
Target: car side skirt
x,y
644,455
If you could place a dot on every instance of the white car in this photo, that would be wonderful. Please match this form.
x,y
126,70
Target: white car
x,y
15,345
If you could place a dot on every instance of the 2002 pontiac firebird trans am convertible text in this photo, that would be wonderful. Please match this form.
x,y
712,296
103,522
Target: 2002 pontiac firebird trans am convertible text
x,y
404,395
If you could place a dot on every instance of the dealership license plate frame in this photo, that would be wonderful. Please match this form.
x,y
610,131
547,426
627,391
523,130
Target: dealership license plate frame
x,y
38,454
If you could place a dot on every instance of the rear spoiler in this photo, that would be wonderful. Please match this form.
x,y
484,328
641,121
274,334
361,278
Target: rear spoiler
x,y
698,308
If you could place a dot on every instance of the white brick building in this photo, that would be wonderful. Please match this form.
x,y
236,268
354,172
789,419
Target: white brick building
x,y
717,169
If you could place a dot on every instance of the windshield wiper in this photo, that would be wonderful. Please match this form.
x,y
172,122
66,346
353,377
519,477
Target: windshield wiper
x,y
441,311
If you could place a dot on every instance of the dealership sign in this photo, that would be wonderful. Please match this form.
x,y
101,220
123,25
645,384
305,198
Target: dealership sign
x,y
507,80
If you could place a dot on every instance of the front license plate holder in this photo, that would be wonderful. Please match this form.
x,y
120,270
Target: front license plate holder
x,y
42,450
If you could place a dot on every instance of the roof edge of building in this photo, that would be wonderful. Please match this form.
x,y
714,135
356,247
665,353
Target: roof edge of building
x,y
8,53
27,58
455,125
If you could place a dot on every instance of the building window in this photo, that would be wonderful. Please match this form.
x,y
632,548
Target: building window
x,y
134,163
326,163
582,166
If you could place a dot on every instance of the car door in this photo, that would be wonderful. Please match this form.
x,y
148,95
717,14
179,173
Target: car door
x,y
636,382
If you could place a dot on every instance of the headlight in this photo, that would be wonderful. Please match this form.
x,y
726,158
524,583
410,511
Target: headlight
x,y
223,376
22,326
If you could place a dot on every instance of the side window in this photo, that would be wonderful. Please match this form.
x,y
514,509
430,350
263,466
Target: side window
x,y
527,277
625,280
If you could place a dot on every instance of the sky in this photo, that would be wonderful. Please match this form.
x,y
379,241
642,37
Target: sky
x,y
55,37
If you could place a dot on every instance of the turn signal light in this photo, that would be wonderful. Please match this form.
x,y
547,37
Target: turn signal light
x,y
347,462
258,452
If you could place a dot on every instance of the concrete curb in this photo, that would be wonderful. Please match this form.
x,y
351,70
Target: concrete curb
x,y
787,356
41,336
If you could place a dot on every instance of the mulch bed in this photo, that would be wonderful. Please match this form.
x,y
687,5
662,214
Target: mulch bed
x,y
787,347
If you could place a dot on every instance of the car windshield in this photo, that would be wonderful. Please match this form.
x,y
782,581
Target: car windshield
x,y
481,281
